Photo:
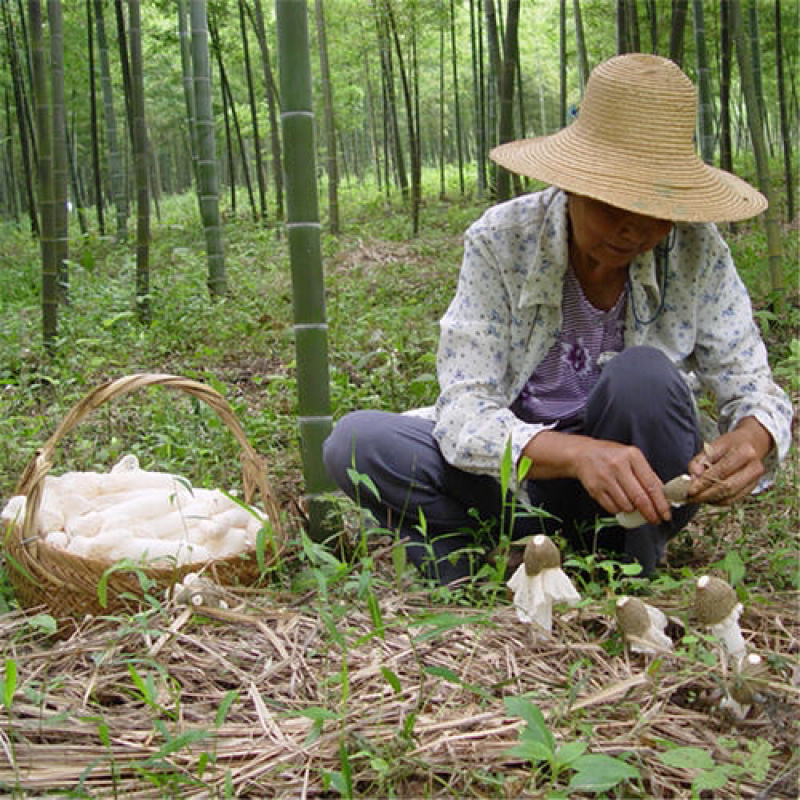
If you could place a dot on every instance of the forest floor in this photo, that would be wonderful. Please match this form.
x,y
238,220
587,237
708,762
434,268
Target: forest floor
x,y
342,672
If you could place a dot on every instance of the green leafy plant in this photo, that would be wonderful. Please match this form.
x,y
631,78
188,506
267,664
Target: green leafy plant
x,y
788,368
10,677
588,772
598,575
707,775
341,780
9,683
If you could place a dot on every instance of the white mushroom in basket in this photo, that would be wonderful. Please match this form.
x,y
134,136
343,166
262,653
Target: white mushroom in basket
x,y
14,510
718,608
59,539
141,516
676,491
642,625
539,583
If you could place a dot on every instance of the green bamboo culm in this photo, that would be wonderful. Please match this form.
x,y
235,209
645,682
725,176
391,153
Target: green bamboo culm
x,y
47,199
115,159
139,138
758,141
705,109
207,180
59,145
308,289
185,39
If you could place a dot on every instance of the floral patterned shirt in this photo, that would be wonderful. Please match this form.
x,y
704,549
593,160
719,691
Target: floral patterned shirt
x,y
507,315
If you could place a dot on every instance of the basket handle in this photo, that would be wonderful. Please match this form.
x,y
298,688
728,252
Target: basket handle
x,y
254,469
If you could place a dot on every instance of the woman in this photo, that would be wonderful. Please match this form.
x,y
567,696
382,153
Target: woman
x,y
588,320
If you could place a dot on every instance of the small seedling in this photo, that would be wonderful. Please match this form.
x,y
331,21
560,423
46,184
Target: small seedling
x,y
589,772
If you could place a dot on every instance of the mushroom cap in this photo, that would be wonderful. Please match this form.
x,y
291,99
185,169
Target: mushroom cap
x,y
632,616
541,554
752,670
714,600
677,490
754,666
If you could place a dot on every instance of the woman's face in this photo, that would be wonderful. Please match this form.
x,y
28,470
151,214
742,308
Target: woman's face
x,y
608,237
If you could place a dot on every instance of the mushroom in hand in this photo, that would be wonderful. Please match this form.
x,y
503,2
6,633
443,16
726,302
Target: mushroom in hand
x,y
676,491
539,582
717,607
643,626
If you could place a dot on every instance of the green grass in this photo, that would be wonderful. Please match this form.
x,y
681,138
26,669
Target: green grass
x,y
385,293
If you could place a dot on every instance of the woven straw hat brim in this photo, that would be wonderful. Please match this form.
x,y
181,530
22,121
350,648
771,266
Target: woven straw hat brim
x,y
689,192
632,146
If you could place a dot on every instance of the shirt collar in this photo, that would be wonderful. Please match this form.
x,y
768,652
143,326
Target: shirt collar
x,y
643,270
545,282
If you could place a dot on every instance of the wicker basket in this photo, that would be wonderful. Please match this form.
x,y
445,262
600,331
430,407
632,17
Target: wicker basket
x,y
68,584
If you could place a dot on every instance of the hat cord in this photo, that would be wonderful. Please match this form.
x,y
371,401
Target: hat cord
x,y
662,252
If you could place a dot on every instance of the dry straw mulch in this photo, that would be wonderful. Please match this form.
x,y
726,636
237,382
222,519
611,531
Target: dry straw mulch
x,y
415,701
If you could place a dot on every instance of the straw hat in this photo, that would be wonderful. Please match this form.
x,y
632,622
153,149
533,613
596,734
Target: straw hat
x,y
632,146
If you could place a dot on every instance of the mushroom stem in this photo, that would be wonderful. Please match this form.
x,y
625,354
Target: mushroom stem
x,y
730,634
744,689
675,490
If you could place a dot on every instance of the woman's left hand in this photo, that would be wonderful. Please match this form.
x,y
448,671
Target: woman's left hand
x,y
729,468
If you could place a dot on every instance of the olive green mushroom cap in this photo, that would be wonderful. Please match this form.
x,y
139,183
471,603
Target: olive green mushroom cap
x,y
632,616
541,554
714,600
752,672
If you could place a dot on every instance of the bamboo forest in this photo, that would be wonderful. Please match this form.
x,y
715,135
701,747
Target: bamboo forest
x,y
227,224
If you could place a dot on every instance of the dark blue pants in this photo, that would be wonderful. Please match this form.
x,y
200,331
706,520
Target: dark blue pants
x,y
450,517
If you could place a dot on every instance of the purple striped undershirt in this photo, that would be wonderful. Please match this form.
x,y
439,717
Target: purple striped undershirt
x,y
558,388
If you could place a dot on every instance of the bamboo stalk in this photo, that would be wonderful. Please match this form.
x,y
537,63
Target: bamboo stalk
x,y
308,286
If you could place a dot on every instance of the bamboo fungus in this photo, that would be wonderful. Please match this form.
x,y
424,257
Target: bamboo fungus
x,y
139,515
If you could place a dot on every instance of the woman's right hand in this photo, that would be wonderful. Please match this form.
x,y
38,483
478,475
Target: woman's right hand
x,y
617,476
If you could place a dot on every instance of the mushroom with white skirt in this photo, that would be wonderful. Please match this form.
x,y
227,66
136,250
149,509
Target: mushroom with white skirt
x,y
717,607
539,583
643,626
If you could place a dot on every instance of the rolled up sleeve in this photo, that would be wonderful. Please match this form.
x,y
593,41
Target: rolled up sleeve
x,y
732,358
